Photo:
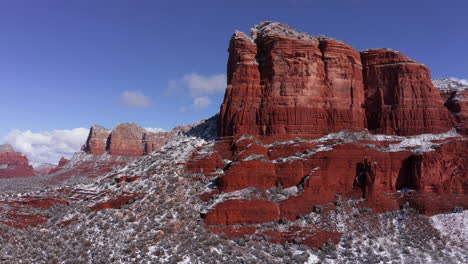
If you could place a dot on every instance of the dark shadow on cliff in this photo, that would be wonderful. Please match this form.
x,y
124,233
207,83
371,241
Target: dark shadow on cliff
x,y
407,174
206,129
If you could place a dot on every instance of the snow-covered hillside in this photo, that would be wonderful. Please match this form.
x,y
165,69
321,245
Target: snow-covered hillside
x,y
161,222
449,85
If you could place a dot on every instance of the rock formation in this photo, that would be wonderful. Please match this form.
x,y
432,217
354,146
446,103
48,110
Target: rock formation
x,y
400,97
14,164
285,82
455,95
282,81
97,142
279,158
62,162
126,139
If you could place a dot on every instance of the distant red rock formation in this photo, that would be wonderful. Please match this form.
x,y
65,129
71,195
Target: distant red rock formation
x,y
44,170
126,139
63,161
14,164
97,140
285,82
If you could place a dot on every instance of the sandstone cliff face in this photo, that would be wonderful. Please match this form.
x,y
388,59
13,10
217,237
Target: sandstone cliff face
x,y
126,139
97,140
400,96
457,103
14,164
285,82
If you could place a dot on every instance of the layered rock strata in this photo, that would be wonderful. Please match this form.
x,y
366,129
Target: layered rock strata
x,y
280,157
400,97
126,139
282,82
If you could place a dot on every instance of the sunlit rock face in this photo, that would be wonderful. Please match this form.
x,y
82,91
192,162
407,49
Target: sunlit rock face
x,y
400,96
307,121
285,82
97,140
126,139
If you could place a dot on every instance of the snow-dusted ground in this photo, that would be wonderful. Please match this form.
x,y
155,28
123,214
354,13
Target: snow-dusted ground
x,y
163,225
450,85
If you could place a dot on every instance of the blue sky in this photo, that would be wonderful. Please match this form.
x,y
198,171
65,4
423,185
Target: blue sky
x,y
67,64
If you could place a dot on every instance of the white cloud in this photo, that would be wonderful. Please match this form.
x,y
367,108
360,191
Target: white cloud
x,y
199,87
154,129
462,81
47,146
135,99
201,102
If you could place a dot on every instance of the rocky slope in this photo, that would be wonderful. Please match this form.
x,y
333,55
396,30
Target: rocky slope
x,y
14,164
156,218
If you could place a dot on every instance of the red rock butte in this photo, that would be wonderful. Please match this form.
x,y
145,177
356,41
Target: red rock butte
x,y
126,139
285,82
367,126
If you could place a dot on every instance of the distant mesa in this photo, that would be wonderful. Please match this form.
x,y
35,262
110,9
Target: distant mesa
x,y
126,139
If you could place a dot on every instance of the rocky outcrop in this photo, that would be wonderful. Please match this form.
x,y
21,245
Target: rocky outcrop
x,y
278,157
14,164
455,95
243,212
126,139
282,82
290,179
63,161
400,97
441,171
97,142
285,82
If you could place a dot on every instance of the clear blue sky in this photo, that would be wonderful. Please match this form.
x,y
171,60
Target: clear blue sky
x,y
64,64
